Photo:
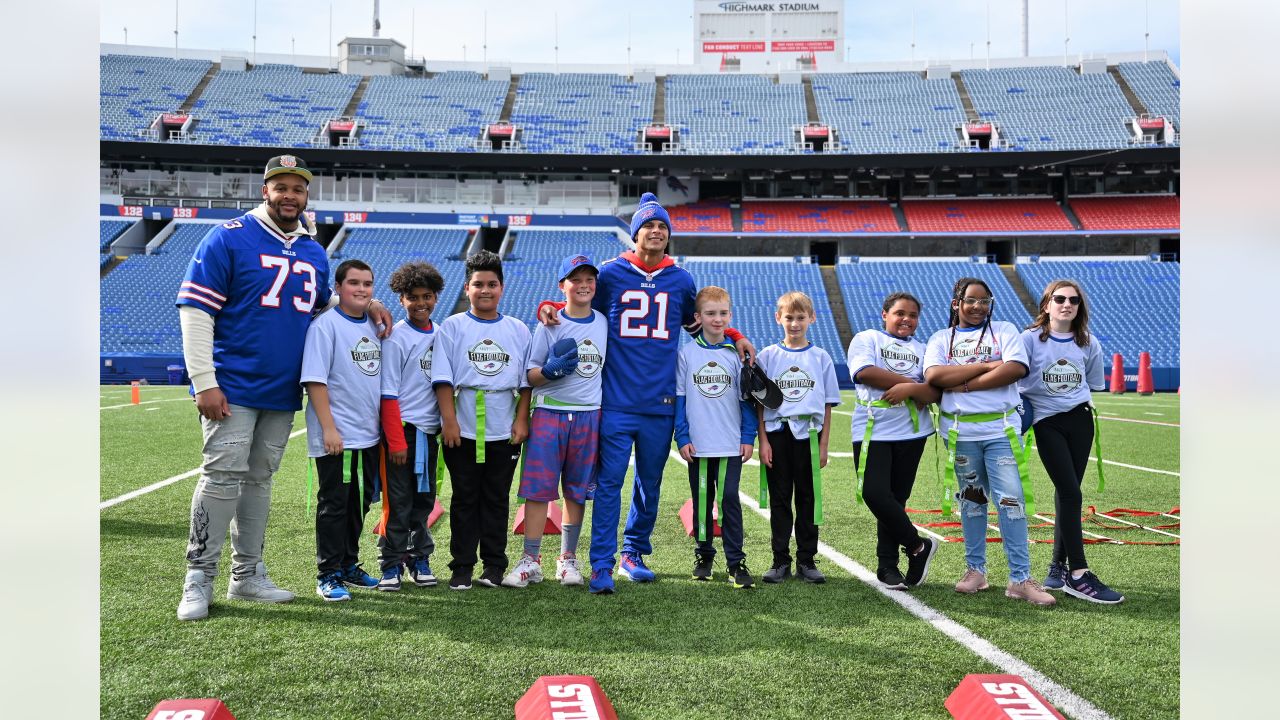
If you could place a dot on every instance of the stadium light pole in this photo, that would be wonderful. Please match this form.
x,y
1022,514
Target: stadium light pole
x,y
126,36
329,52
255,32
988,34
556,27
913,34
484,47
175,29
413,30
1066,29
1146,34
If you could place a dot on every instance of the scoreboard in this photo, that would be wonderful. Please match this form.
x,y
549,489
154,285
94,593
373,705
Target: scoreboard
x,y
764,37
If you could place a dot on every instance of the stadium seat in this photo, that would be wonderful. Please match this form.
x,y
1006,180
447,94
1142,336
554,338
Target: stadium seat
x,y
1159,212
819,216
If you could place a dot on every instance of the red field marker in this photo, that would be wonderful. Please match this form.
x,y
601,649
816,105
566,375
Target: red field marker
x,y
135,393
686,518
436,512
565,697
554,520
998,697
1117,374
1145,384
203,709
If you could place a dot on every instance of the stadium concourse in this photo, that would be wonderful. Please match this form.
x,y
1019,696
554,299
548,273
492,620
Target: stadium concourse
x,y
848,184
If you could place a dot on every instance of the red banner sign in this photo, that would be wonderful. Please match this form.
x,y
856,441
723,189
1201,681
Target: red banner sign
x,y
519,220
817,132
732,47
657,132
501,131
172,119
341,125
1152,124
130,210
804,46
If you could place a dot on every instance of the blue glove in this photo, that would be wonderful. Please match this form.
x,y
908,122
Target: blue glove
x,y
562,361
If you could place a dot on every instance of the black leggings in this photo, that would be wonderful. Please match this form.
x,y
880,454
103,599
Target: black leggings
x,y
1063,441
891,473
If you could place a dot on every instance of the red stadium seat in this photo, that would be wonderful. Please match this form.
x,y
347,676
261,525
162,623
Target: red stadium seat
x,y
819,216
701,217
1013,215
1128,213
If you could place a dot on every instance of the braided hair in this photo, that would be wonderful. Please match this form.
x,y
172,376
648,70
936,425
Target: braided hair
x,y
957,297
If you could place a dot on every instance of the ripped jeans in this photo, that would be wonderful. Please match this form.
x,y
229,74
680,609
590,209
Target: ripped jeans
x,y
987,469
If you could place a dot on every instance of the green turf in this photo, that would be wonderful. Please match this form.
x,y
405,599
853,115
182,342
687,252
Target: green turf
x,y
675,648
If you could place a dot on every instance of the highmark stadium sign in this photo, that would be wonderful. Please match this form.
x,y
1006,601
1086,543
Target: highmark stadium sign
x,y
769,7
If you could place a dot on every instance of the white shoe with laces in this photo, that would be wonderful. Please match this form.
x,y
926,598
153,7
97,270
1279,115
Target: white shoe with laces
x,y
567,570
526,571
197,591
257,588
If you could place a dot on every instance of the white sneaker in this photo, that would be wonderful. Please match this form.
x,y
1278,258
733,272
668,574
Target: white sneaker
x,y
526,571
567,570
197,591
257,588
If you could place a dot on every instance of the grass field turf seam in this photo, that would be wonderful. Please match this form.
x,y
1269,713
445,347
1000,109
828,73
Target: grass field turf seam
x,y
676,648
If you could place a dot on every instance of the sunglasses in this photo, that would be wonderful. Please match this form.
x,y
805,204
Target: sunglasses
x,y
1060,299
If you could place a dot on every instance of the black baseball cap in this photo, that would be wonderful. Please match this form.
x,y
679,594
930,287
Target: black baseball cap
x,y
282,164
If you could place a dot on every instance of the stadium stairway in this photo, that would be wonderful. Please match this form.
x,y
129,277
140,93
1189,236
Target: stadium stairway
x,y
510,102
660,102
187,104
969,112
1071,215
356,97
810,102
835,298
735,214
1129,94
1025,296
899,216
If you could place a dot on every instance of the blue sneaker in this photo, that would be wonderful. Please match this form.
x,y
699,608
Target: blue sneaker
x,y
357,577
421,573
601,582
1089,587
633,568
1054,580
330,588
390,581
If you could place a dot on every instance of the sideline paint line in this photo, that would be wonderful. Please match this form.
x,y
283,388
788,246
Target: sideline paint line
x,y
1140,422
1125,465
144,402
1069,702
163,483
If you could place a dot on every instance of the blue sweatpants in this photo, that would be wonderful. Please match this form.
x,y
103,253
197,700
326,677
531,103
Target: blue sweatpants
x,y
651,437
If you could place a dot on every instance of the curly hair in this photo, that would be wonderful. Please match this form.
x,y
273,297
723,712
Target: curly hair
x,y
416,274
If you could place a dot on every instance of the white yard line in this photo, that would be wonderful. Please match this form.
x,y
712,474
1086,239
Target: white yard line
x,y
1117,418
1069,702
144,402
1144,527
1082,530
163,483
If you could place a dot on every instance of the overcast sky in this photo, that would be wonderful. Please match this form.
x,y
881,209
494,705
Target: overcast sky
x,y
596,31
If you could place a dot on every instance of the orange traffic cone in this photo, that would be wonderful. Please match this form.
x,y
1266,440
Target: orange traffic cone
x,y
1117,374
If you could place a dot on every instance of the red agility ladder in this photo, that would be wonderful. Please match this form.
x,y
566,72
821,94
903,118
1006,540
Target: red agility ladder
x,y
565,697
998,697
203,709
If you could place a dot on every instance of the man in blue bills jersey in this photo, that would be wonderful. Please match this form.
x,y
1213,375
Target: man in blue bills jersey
x,y
647,299
250,291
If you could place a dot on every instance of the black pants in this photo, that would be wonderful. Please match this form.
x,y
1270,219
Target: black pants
x,y
1063,441
791,474
406,538
731,530
480,503
886,487
339,512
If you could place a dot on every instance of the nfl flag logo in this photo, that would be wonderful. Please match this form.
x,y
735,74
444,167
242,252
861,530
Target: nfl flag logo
x,y
288,161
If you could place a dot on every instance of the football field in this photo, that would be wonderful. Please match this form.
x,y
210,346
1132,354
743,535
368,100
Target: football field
x,y
675,648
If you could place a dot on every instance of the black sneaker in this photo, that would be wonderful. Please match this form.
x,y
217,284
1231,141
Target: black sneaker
x,y
918,564
891,578
810,573
460,581
740,576
777,574
702,567
491,577
1089,587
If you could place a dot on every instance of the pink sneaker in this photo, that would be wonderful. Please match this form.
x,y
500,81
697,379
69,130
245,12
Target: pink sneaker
x,y
972,582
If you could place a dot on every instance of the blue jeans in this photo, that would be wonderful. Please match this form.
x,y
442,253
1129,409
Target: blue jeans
x,y
987,469
651,436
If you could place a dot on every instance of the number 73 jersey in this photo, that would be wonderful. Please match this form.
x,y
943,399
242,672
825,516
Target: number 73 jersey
x,y
647,308
261,288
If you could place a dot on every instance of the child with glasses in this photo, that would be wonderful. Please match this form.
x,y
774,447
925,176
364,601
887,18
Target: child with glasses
x,y
977,362
1065,364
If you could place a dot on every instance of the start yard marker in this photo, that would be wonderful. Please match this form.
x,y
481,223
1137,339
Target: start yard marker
x,y
565,697
998,697
203,709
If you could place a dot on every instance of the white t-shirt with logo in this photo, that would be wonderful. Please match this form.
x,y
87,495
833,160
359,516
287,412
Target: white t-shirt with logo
x,y
708,377
580,389
999,341
1062,373
807,378
474,354
344,353
406,374
877,348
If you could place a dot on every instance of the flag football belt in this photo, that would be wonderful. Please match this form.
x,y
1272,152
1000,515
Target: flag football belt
x,y
350,469
860,470
700,502
426,472
1097,445
815,459
1019,455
